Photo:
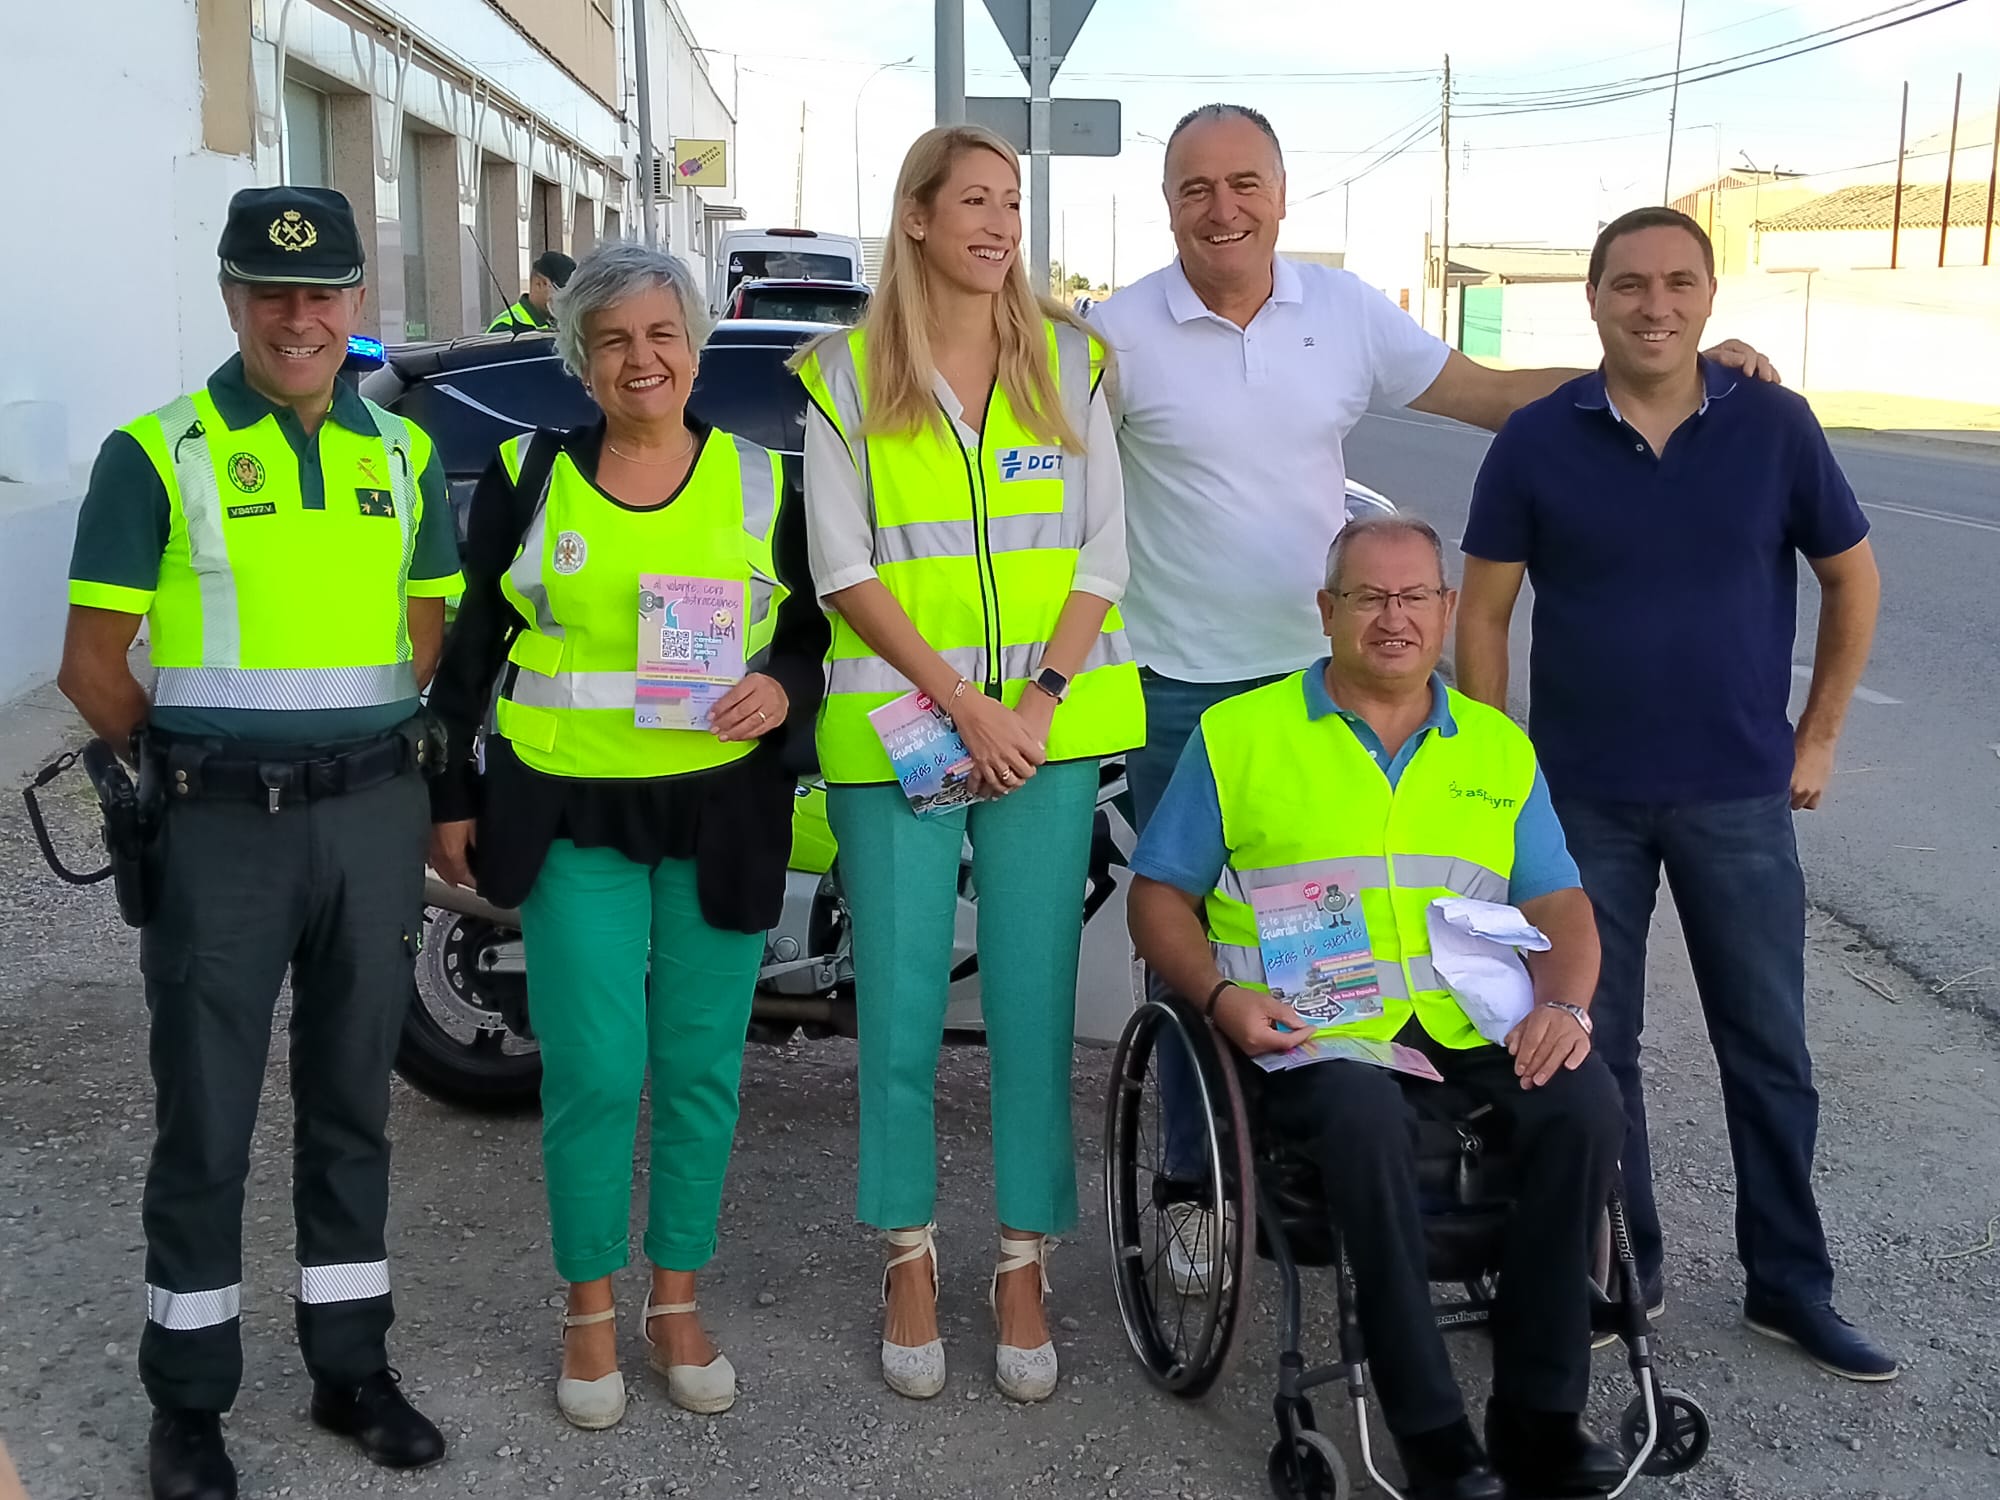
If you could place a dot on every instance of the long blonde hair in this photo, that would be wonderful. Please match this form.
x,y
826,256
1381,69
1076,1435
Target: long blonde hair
x,y
898,325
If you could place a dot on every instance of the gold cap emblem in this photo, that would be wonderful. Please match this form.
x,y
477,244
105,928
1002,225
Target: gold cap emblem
x,y
293,231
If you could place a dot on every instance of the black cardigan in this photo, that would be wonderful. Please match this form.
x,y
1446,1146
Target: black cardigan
x,y
733,821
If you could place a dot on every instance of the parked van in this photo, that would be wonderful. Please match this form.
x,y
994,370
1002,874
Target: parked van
x,y
792,254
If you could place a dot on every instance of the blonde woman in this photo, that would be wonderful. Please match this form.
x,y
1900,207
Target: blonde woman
x,y
966,530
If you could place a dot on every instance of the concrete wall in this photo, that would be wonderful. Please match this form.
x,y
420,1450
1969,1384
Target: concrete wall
x,y
1855,249
1919,333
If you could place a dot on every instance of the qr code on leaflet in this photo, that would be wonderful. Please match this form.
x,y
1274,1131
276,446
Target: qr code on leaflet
x,y
676,645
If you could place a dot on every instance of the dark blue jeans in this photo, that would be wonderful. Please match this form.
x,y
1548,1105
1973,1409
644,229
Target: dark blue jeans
x,y
1173,709
1733,868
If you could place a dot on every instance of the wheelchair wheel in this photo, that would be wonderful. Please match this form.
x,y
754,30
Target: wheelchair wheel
x,y
1683,1438
1306,1466
1180,1231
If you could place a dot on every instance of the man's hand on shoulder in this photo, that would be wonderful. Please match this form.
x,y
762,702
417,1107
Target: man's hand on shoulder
x,y
1738,355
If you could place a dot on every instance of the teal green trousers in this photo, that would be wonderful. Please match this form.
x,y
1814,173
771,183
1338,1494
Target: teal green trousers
x,y
590,926
1031,852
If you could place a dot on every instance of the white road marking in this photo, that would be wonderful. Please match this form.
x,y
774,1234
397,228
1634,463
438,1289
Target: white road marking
x,y
1865,694
1931,515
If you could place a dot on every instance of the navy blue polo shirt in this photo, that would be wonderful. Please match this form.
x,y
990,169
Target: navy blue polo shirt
x,y
1666,586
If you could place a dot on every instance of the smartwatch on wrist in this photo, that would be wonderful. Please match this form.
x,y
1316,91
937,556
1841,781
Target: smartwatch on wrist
x,y
1052,682
1582,1015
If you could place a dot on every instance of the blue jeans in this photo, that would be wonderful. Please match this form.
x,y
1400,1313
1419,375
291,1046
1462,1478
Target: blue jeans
x,y
1173,709
1733,868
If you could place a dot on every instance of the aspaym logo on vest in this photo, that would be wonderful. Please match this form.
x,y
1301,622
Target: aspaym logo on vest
x,y
571,551
1029,463
246,472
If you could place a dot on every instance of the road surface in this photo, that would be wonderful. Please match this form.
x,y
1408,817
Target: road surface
x,y
1906,848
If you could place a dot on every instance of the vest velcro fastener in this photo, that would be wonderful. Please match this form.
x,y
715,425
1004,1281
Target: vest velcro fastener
x,y
534,652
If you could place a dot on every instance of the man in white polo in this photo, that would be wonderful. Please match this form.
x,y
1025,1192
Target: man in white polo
x,y
1239,376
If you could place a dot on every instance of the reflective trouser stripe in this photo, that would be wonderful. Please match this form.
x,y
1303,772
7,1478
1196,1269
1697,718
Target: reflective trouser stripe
x,y
1246,966
353,1282
285,687
871,674
183,1312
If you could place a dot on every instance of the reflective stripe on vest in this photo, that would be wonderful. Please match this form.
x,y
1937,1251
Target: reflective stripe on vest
x,y
264,657
979,546
1302,799
569,702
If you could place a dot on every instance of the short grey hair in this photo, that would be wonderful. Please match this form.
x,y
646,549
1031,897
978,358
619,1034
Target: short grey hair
x,y
1383,526
1201,114
611,273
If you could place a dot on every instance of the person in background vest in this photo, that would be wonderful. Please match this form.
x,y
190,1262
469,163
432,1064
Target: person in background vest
x,y
1367,763
967,539
291,545
549,274
647,862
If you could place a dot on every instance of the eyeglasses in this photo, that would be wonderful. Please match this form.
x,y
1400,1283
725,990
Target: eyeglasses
x,y
1374,601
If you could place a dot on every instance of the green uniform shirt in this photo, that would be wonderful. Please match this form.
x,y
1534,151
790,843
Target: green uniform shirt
x,y
521,315
121,535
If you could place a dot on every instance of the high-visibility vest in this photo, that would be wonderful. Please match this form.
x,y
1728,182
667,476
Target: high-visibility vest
x,y
520,315
567,703
979,546
1301,799
261,603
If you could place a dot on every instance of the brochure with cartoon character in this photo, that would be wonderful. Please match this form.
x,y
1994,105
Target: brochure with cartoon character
x,y
931,761
1316,1049
1314,939
690,648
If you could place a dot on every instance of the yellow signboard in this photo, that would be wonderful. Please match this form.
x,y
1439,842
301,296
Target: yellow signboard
x,y
701,163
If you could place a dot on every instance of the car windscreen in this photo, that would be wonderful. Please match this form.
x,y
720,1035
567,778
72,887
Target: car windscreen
x,y
746,389
795,265
470,412
800,305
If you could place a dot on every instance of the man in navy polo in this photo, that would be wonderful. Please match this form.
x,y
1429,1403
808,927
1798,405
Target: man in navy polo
x,y
1660,504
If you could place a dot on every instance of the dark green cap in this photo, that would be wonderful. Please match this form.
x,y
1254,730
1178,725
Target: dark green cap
x,y
291,236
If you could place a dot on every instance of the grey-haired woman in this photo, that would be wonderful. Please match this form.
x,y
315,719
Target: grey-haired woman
x,y
647,861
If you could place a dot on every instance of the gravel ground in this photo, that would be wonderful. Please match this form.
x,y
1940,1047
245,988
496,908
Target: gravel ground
x,y
1909,1169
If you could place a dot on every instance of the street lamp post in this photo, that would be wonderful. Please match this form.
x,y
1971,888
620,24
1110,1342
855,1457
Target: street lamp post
x,y
900,62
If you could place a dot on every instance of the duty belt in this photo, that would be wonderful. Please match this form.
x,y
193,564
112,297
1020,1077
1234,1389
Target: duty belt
x,y
213,770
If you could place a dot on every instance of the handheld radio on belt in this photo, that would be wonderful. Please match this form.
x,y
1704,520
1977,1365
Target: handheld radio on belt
x,y
131,823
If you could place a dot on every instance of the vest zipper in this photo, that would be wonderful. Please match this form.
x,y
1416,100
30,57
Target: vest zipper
x,y
989,587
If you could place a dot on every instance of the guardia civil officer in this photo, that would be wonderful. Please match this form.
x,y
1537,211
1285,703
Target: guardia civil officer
x,y
549,274
290,545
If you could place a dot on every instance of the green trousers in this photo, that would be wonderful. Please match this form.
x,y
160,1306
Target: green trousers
x,y
1031,852
590,925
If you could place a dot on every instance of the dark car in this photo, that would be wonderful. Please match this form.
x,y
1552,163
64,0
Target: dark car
x,y
795,301
473,394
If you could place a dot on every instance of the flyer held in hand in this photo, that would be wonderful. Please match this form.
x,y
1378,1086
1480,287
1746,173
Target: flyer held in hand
x,y
932,764
690,649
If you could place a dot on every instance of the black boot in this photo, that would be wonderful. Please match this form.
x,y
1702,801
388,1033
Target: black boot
x,y
185,1459
1446,1464
378,1416
1549,1453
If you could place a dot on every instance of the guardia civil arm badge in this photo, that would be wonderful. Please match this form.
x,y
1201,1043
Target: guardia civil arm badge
x,y
293,231
246,472
570,552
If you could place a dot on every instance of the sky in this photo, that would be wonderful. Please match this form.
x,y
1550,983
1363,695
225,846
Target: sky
x,y
1545,177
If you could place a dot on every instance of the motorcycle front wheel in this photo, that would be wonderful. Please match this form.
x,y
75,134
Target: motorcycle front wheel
x,y
458,1046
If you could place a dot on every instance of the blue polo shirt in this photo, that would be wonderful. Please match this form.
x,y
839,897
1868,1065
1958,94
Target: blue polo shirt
x,y
1183,846
1666,586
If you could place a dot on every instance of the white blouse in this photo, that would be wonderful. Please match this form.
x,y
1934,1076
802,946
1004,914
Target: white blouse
x,y
840,533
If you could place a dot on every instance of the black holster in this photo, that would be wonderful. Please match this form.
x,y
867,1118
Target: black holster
x,y
131,825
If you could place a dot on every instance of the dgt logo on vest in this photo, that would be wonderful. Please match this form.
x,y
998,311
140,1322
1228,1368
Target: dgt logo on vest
x,y
1029,463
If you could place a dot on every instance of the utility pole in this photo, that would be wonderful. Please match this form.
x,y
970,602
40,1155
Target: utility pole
x,y
950,62
648,233
1444,258
1674,105
799,187
1950,161
1902,146
1992,183
1040,74
1112,284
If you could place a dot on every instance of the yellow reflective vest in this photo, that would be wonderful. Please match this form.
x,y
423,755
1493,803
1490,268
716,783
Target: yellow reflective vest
x,y
978,545
1302,798
262,604
568,699
522,316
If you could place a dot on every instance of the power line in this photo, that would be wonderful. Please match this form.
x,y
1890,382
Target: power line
x,y
1762,15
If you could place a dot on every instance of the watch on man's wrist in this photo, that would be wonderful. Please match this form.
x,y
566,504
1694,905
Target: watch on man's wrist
x,y
1582,1015
1052,682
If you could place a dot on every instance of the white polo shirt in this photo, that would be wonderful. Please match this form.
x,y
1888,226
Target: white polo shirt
x,y
1230,441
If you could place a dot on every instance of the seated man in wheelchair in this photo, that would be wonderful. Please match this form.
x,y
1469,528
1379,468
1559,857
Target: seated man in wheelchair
x,y
1368,762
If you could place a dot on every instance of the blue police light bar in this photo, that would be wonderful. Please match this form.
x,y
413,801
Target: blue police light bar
x,y
360,346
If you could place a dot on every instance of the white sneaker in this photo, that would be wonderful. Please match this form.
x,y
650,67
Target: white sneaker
x,y
1191,1250
913,1370
1023,1374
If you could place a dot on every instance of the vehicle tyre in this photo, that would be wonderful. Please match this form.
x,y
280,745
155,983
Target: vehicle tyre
x,y
458,1046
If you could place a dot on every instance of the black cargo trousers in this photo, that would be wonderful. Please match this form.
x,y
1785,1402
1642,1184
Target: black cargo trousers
x,y
331,890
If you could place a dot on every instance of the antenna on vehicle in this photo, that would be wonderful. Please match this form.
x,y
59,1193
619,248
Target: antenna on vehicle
x,y
513,329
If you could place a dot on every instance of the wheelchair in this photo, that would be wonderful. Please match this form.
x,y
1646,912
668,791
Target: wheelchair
x,y
1181,1251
